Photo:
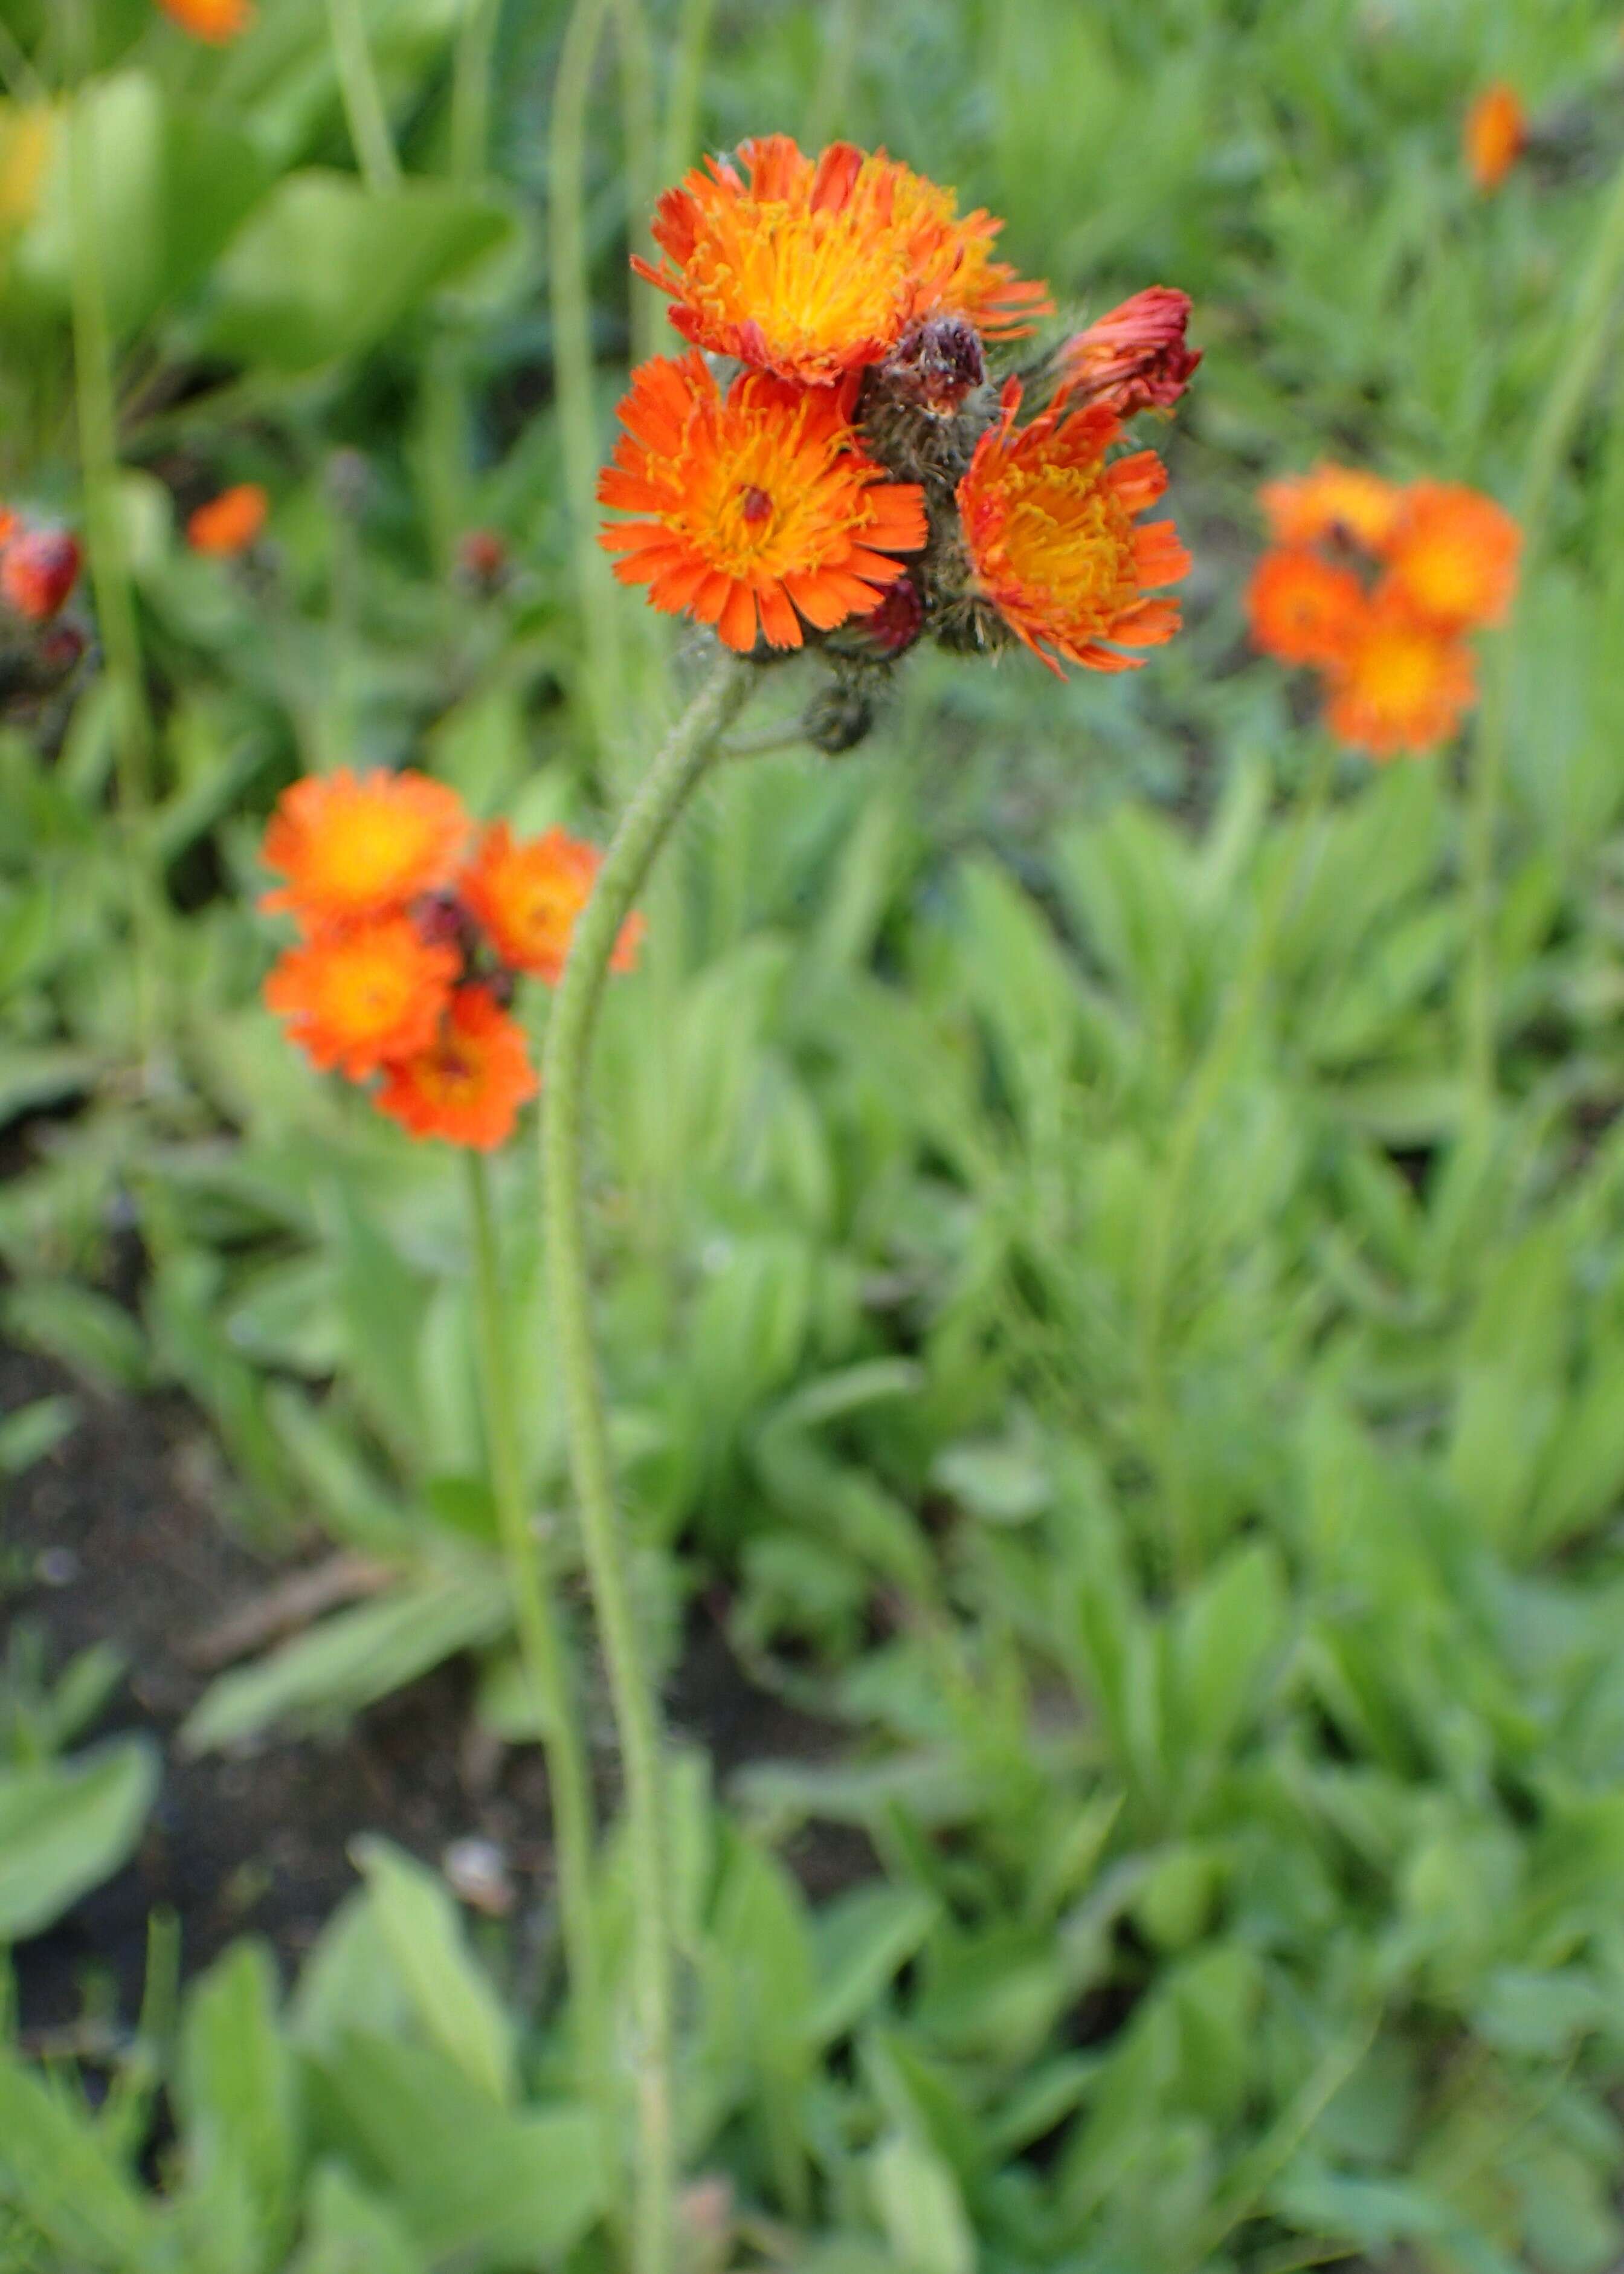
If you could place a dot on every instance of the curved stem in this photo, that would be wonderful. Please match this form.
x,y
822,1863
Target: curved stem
x,y
470,90
648,821
363,99
547,1667
572,359
640,136
1584,346
687,82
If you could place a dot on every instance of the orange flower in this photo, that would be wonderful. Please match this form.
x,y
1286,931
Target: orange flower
x,y
39,568
1134,357
231,521
1050,530
1453,554
811,269
351,849
1303,609
1400,683
753,506
360,997
1342,501
214,20
528,896
1496,135
468,1084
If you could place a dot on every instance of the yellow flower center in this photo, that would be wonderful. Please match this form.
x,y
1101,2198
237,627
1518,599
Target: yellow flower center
x,y
1068,536
450,1073
1397,671
366,989
812,283
1444,576
363,853
765,501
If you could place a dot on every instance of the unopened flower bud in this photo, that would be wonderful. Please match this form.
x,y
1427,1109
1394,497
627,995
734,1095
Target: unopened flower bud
x,y
838,717
482,559
38,571
936,365
442,919
1135,358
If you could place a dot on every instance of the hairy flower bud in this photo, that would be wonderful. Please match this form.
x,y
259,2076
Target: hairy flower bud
x,y
838,717
936,365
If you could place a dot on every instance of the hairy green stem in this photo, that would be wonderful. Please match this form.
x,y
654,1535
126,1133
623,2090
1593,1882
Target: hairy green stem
x,y
688,72
546,1662
648,821
470,89
571,363
1584,346
362,99
640,136
134,737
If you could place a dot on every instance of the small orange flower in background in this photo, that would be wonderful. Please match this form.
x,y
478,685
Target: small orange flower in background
x,y
230,522
756,509
351,847
1302,608
1400,684
1134,357
1392,652
1049,526
812,268
526,898
1496,135
468,1085
217,21
1453,554
39,568
358,999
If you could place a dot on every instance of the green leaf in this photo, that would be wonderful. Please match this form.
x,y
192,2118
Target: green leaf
x,y
31,1431
89,1332
862,1940
920,2208
347,2230
238,2089
56,2171
453,1999
65,1827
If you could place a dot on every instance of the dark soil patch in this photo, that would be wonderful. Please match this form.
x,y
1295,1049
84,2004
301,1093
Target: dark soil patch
x,y
116,1537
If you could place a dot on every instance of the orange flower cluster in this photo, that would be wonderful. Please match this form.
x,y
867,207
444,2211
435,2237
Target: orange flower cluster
x,y
215,21
39,567
854,463
1392,650
414,928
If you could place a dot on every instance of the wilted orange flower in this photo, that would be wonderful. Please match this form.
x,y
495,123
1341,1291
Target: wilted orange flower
x,y
1496,135
468,1084
230,522
813,267
39,568
214,20
1050,530
1342,502
1303,609
359,997
1453,554
1399,684
527,896
1134,357
752,506
351,849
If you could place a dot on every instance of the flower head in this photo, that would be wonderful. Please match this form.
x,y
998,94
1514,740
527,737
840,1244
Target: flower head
x,y
39,568
1496,136
465,1085
1453,554
1303,609
353,849
1332,502
1050,530
230,522
1134,357
214,20
358,998
811,269
527,896
755,509
1399,683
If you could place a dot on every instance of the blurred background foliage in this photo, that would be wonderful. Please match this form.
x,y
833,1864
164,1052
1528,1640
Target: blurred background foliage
x,y
1097,1348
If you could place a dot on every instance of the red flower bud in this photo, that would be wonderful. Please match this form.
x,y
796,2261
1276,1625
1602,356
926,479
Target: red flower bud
x,y
1135,358
38,571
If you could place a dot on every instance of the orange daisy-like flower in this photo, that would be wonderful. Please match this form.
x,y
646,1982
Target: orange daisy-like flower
x,y
1342,502
216,21
1399,684
755,509
811,269
1453,554
230,523
1303,609
468,1084
1134,357
527,896
353,849
39,568
1496,136
358,998
1050,530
